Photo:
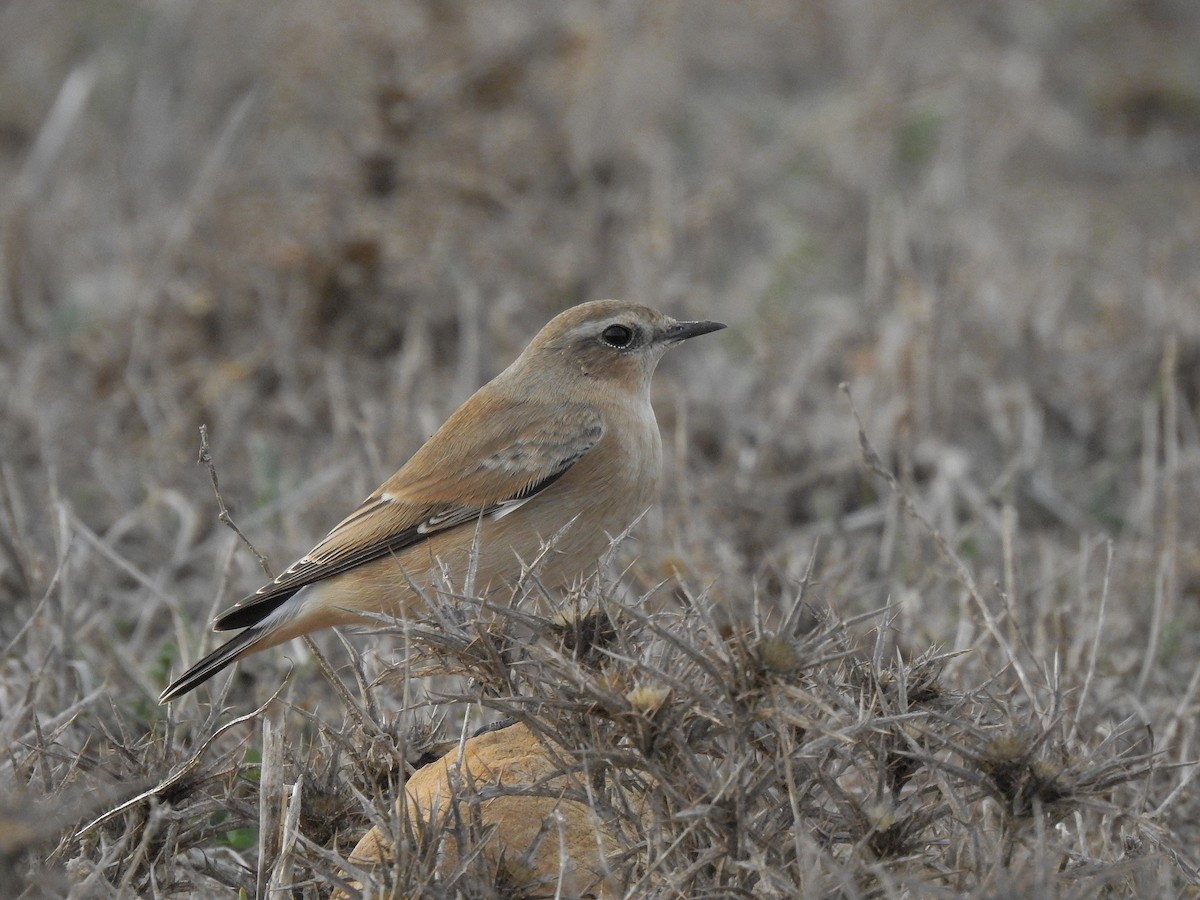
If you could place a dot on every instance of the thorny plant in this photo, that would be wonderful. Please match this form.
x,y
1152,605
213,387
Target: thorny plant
x,y
970,215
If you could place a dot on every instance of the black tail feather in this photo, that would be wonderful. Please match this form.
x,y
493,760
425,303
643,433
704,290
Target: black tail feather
x,y
250,611
227,653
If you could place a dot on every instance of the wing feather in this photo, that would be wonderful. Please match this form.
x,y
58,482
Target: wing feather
x,y
462,474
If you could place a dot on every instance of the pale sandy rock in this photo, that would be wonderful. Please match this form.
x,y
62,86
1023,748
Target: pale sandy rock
x,y
569,840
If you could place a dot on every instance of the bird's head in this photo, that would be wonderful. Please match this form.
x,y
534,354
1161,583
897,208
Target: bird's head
x,y
607,341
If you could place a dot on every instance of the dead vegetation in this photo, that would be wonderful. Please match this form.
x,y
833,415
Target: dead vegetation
x,y
939,639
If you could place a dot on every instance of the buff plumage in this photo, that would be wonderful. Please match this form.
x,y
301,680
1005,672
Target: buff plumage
x,y
561,445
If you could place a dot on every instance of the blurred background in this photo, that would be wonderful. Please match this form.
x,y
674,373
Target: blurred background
x,y
317,227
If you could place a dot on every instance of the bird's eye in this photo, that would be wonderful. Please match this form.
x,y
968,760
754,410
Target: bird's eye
x,y
617,335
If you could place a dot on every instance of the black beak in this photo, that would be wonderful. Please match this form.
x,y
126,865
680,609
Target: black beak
x,y
681,331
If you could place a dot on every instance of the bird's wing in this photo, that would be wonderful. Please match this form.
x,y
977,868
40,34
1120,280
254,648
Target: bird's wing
x,y
462,474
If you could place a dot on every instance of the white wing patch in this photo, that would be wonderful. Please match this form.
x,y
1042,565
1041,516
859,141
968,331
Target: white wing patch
x,y
508,506
461,514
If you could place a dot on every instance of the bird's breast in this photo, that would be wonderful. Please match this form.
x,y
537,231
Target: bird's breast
x,y
596,500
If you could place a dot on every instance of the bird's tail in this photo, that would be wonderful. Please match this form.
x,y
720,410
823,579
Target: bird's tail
x,y
245,642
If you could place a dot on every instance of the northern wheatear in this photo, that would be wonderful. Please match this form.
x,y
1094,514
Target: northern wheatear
x,y
562,444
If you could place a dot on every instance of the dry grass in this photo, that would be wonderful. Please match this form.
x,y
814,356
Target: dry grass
x,y
945,648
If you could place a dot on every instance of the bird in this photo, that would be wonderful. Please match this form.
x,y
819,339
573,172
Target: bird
x,y
549,460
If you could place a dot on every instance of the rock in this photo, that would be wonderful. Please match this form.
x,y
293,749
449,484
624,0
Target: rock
x,y
533,841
